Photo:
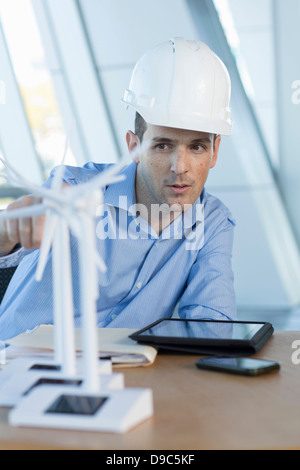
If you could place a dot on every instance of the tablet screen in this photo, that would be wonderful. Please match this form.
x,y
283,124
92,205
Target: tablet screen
x,y
202,329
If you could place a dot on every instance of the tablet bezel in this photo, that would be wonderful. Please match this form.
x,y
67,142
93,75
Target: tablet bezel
x,y
177,340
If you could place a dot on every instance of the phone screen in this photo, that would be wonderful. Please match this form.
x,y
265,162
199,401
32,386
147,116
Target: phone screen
x,y
240,365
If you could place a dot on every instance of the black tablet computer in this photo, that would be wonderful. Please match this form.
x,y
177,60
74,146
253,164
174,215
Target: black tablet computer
x,y
206,336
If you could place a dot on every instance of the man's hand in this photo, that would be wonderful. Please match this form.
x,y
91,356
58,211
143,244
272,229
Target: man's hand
x,y
26,231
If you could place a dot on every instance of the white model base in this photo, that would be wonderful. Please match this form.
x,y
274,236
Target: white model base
x,y
34,364
17,367
78,409
19,385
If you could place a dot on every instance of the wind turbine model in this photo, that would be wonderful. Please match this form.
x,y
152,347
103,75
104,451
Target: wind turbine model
x,y
61,211
90,406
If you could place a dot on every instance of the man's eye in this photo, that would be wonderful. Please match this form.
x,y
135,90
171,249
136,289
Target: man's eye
x,y
199,148
162,147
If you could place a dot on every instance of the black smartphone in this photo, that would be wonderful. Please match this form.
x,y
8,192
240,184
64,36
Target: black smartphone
x,y
240,365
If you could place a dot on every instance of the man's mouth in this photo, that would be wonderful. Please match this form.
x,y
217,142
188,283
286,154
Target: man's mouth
x,y
179,188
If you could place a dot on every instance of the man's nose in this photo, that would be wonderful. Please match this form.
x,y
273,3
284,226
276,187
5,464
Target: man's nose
x,y
179,163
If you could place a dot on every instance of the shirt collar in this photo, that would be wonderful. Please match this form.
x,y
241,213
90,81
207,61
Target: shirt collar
x,y
122,194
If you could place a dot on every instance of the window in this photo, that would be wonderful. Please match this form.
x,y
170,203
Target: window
x,y
34,82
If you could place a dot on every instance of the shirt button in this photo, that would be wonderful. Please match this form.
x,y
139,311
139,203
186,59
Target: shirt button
x,y
139,285
114,316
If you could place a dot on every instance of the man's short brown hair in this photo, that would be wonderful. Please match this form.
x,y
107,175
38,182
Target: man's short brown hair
x,y
140,127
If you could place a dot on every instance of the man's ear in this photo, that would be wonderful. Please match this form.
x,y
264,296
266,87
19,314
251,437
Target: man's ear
x,y
132,141
216,151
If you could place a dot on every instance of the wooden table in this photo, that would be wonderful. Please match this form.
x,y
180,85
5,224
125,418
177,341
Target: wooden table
x,y
195,409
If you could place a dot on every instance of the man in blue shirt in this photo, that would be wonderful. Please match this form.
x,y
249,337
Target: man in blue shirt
x,y
166,242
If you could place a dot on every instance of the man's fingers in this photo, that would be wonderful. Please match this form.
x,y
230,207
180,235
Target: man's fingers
x,y
27,231
38,225
12,225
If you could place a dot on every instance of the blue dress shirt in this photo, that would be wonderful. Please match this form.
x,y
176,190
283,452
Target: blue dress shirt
x,y
187,266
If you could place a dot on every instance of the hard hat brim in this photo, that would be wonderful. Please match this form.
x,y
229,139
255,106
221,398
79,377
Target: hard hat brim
x,y
178,120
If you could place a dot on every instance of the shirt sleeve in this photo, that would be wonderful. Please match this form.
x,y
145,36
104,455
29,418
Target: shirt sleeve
x,y
209,292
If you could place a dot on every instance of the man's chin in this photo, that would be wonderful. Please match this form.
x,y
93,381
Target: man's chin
x,y
177,206
181,202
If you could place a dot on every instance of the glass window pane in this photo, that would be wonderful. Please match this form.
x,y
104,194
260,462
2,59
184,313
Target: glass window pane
x,y
34,81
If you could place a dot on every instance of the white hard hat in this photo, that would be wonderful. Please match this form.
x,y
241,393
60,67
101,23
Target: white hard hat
x,y
182,84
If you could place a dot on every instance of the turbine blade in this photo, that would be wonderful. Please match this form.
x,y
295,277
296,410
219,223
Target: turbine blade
x,y
16,177
100,263
49,231
30,187
84,189
58,177
70,219
104,178
24,212
57,181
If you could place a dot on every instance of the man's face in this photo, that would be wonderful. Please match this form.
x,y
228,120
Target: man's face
x,y
175,167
